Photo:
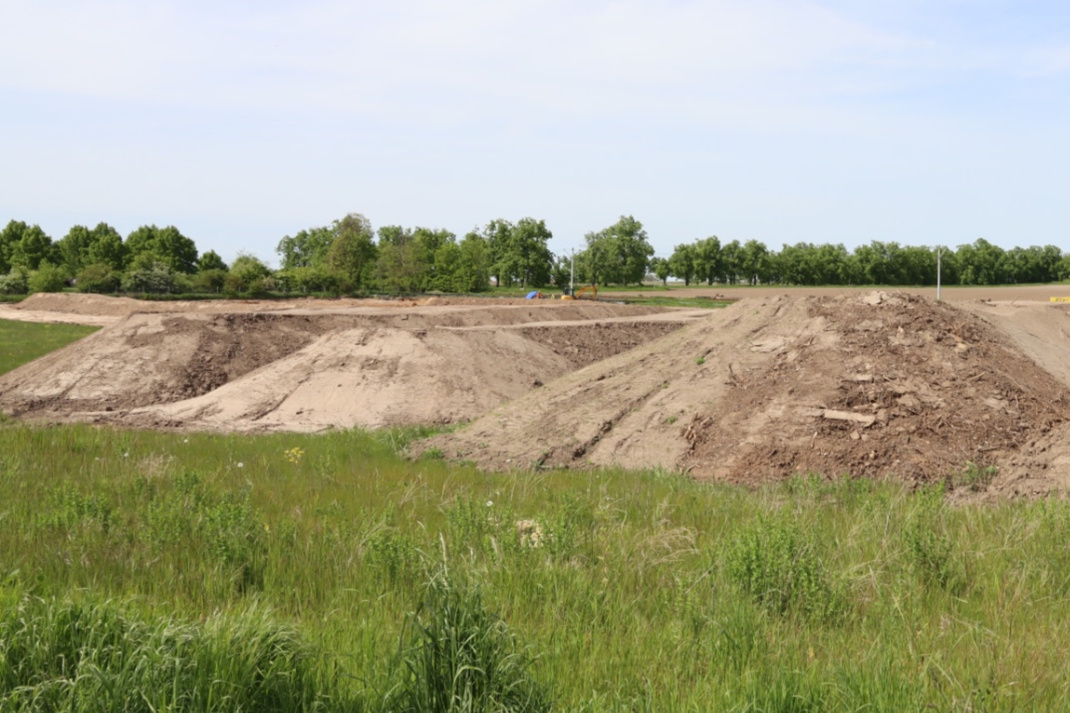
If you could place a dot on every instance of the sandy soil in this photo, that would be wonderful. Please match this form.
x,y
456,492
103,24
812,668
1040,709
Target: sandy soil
x,y
307,365
867,383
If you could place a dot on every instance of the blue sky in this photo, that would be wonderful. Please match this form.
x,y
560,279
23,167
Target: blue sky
x,y
922,122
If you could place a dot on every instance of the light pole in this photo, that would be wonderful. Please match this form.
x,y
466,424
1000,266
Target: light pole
x,y
939,250
572,277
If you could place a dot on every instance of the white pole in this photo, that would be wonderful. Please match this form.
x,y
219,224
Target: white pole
x,y
572,279
938,251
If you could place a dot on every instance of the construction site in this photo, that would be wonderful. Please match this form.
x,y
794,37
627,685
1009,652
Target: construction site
x,y
843,384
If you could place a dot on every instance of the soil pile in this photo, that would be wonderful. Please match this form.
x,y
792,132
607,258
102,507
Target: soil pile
x,y
876,385
308,369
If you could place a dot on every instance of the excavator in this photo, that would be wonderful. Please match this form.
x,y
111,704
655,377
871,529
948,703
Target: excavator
x,y
591,290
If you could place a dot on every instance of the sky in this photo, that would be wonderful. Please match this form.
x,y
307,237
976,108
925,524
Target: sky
x,y
926,122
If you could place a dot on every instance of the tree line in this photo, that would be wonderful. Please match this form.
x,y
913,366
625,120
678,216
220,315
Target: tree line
x,y
350,257
878,263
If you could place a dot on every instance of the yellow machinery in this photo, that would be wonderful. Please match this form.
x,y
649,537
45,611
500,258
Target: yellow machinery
x,y
590,290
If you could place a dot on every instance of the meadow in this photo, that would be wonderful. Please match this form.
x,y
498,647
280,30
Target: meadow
x,y
176,571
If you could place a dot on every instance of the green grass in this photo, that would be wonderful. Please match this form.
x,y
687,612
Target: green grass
x,y
669,301
22,342
402,582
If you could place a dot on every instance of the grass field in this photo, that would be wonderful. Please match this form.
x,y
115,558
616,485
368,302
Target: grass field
x,y
169,571
21,342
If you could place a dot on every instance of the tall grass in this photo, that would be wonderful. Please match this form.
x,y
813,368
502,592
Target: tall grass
x,y
606,590
81,656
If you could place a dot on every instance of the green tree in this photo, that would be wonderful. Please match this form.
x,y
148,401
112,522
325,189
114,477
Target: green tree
x,y
401,266
754,263
661,268
473,272
497,235
620,253
211,261
248,275
74,247
353,251
731,262
682,262
107,248
519,253
166,245
981,263
1062,269
532,257
308,248
708,265
33,247
11,234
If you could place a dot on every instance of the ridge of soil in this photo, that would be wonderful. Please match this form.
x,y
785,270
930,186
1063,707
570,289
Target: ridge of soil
x,y
879,385
309,369
866,384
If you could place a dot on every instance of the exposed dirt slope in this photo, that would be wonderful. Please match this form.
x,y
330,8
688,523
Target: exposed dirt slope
x,y
311,369
1043,334
875,385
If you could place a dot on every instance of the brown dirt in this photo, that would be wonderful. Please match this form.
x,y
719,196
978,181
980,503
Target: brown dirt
x,y
587,344
877,385
873,384
361,363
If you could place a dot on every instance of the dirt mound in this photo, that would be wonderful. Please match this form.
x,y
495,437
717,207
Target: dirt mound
x,y
152,358
310,369
587,344
371,378
99,305
876,385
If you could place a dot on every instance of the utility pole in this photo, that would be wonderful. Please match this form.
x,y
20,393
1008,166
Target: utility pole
x,y
939,250
572,277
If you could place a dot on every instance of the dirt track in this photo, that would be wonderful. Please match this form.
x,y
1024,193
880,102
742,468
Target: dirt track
x,y
868,383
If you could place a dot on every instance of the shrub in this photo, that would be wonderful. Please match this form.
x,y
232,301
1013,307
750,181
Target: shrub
x,y
47,278
150,278
780,569
14,283
210,280
97,277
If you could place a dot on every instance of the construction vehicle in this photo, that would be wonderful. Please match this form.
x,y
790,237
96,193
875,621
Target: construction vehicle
x,y
592,290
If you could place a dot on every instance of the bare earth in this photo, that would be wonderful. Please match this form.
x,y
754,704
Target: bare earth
x,y
866,383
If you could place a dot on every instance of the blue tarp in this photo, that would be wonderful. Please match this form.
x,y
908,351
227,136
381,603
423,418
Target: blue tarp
x,y
533,294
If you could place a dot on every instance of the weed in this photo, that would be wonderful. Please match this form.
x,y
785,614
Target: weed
x,y
974,477
930,548
458,657
700,360
779,568
432,454
393,552
96,656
